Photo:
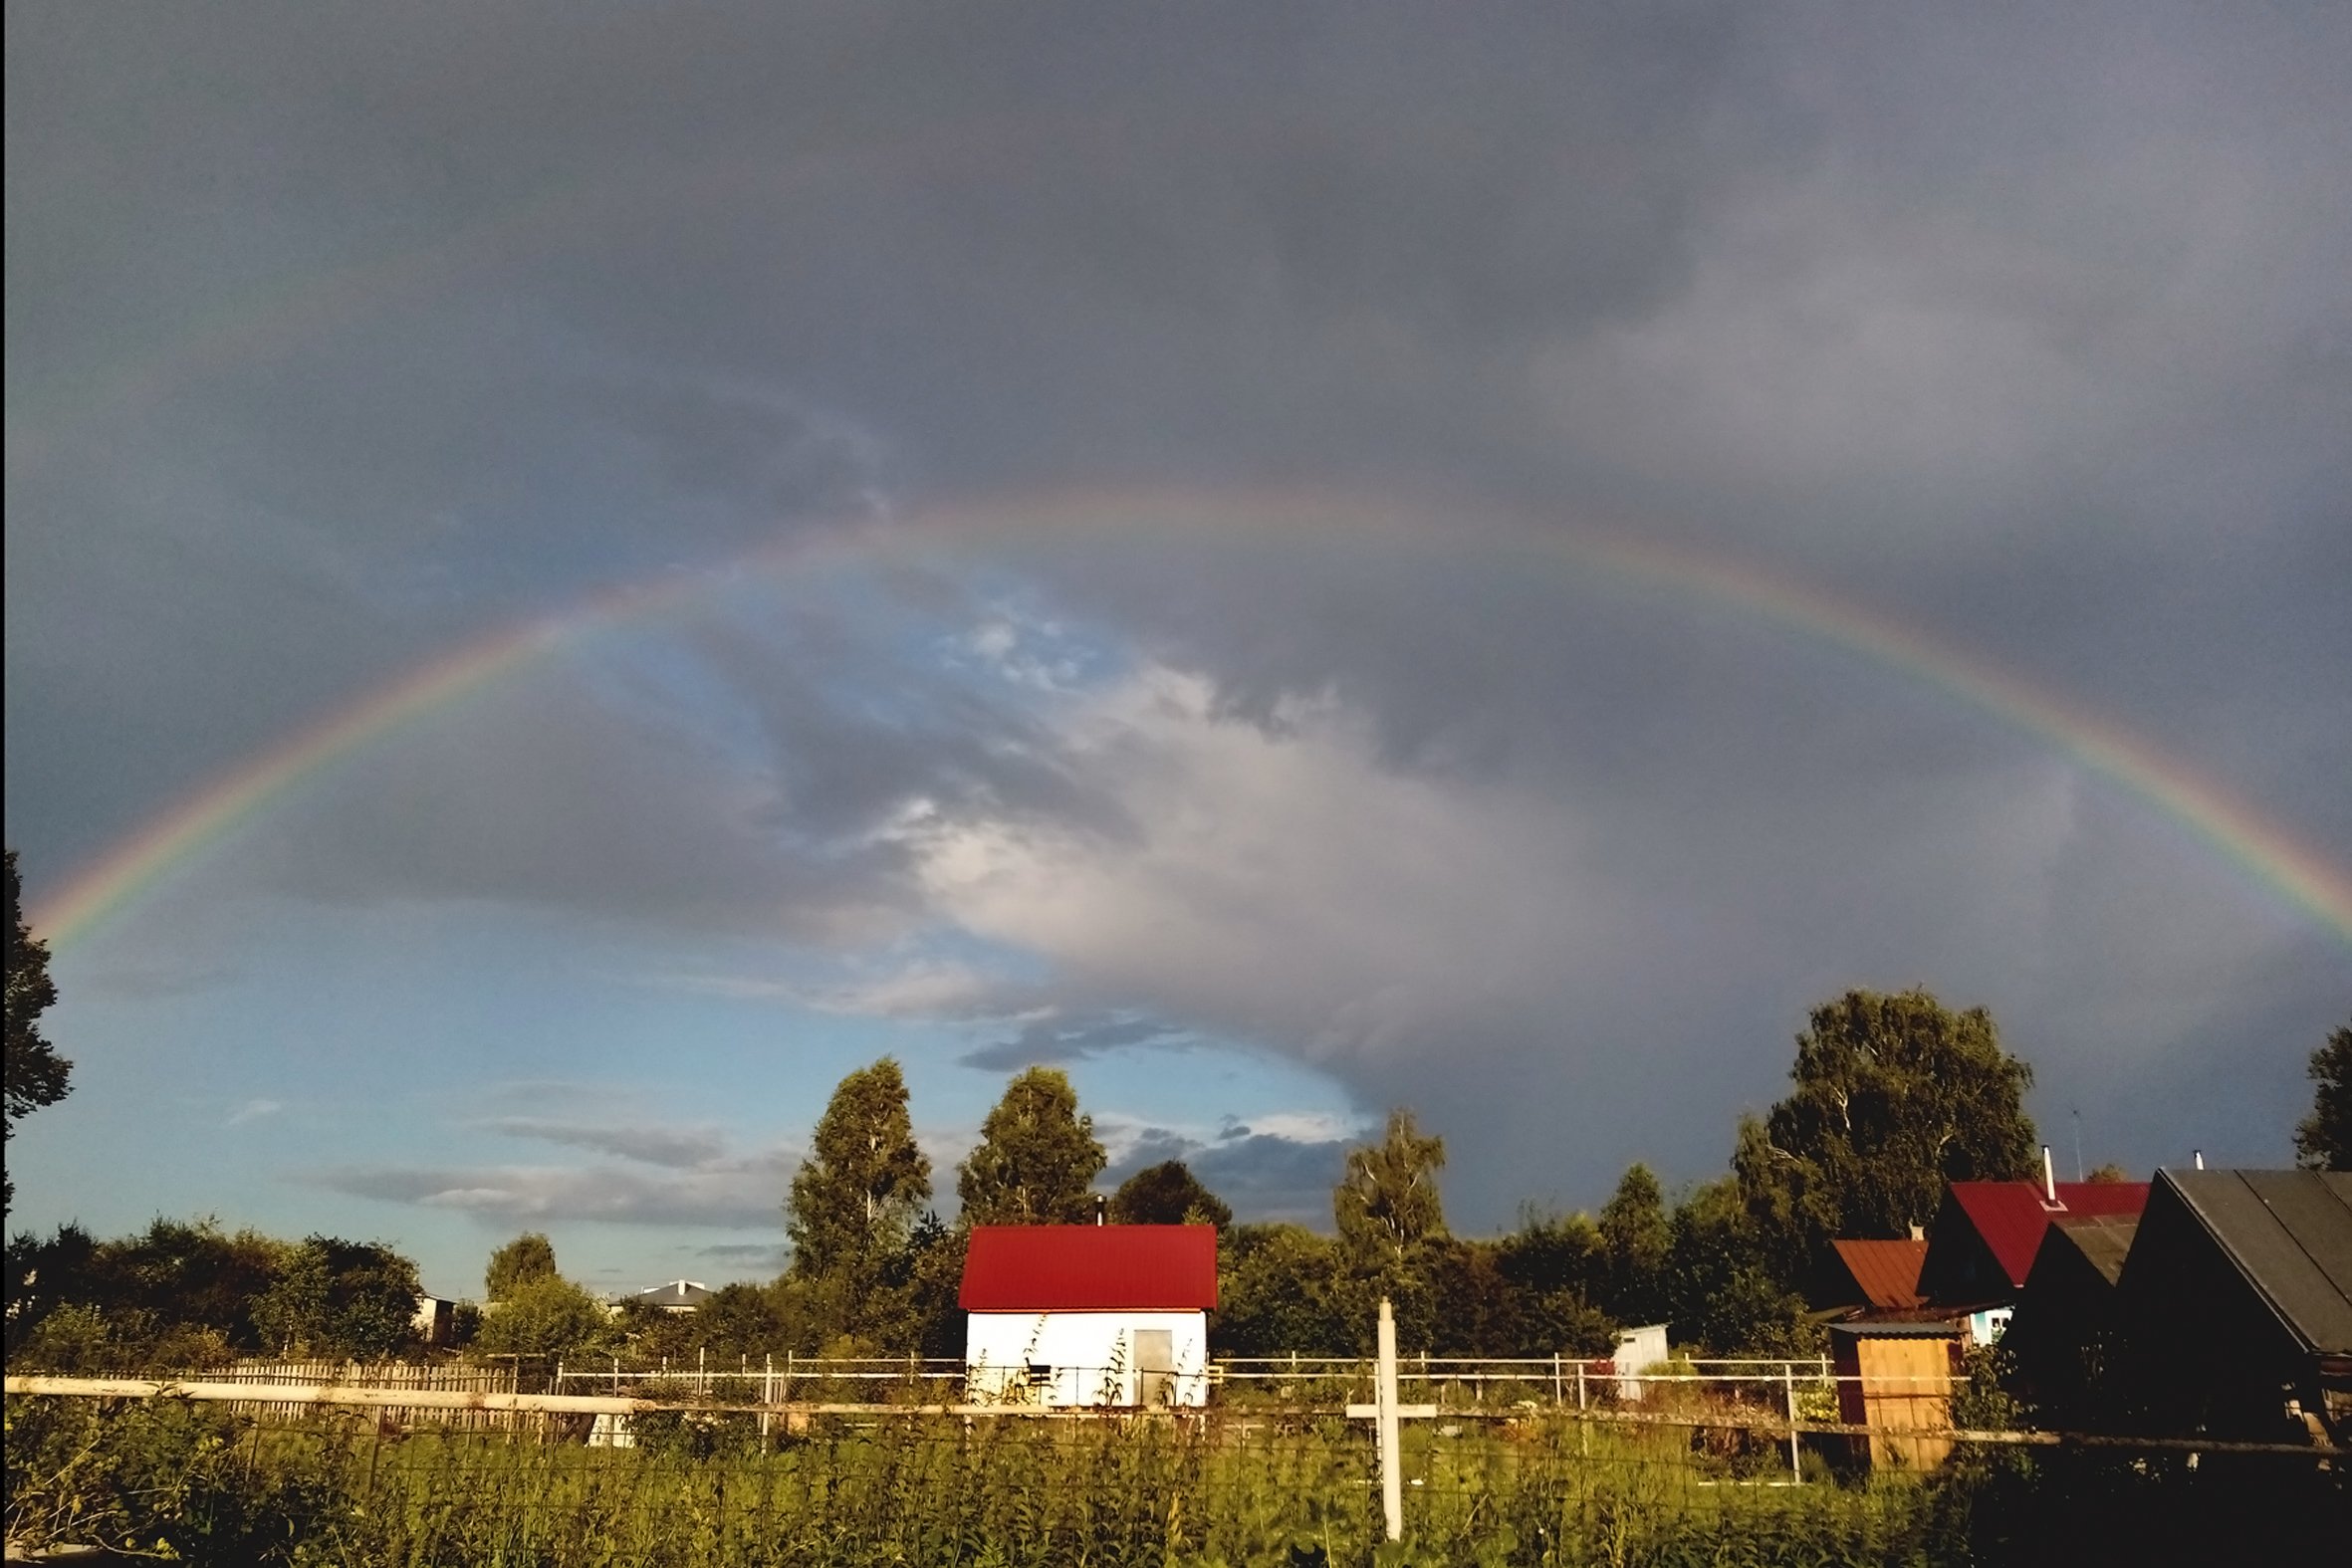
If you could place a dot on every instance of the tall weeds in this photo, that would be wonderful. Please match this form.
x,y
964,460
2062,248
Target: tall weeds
x,y
1240,1490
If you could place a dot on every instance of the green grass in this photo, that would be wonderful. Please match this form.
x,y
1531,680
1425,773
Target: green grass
x,y
196,1485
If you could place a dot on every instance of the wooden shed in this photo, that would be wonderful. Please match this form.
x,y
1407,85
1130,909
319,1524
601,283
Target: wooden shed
x,y
1897,1376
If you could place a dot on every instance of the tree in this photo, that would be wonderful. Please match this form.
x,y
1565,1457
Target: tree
x,y
341,1298
741,1321
1895,1097
1387,1201
545,1316
1037,1157
1556,1266
528,1256
1281,1288
2323,1139
1634,1238
36,1074
854,1198
1168,1193
1726,1288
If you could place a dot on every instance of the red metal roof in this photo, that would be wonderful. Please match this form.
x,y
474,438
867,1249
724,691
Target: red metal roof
x,y
1886,1272
1091,1269
2012,1215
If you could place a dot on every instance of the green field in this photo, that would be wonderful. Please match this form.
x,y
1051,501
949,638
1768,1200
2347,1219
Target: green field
x,y
198,1484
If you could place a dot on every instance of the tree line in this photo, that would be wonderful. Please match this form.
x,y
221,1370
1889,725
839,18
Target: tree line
x,y
1892,1096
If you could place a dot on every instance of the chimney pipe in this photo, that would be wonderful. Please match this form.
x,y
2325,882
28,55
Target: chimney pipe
x,y
2199,1155
2049,1177
1102,1208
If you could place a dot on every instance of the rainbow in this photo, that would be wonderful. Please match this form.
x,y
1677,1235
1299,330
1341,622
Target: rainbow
x,y
171,841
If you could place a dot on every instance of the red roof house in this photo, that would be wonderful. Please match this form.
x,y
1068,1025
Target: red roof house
x,y
1091,1269
1074,1314
1985,1233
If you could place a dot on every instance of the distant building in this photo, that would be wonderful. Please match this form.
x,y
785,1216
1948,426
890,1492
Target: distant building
x,y
1074,1315
680,1295
1638,1350
434,1320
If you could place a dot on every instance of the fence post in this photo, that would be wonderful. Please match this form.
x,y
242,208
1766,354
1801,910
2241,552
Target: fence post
x,y
1788,1375
1555,1392
1583,1428
1392,1485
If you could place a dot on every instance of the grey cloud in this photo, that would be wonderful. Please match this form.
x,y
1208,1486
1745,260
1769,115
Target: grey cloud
x,y
746,1252
2025,331
681,1148
1261,1176
1069,1040
622,1195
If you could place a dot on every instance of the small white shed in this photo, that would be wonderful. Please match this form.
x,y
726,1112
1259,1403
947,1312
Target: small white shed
x,y
1074,1315
1638,1350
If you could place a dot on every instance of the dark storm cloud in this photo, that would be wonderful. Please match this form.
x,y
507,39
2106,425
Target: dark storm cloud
x,y
337,339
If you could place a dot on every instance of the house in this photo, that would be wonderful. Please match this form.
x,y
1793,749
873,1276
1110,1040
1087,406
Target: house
x,y
2064,1337
1897,1376
680,1295
434,1320
1077,1315
2236,1307
1985,1233
1875,1278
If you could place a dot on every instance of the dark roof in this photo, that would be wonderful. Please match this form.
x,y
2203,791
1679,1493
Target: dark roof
x,y
2012,1215
2289,1233
1091,1269
1908,1328
2104,1241
1887,1273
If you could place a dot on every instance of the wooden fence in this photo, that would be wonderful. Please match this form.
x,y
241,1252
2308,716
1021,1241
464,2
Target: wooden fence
x,y
381,1378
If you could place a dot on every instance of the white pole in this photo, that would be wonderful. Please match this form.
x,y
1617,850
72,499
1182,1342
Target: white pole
x,y
1788,1372
1392,1482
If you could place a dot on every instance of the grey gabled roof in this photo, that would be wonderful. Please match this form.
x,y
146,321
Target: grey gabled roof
x,y
2290,1234
2104,1241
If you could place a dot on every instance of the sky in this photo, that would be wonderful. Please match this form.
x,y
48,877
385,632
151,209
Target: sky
x,y
574,573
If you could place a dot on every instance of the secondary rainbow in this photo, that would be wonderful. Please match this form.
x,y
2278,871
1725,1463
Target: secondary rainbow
x,y
2298,874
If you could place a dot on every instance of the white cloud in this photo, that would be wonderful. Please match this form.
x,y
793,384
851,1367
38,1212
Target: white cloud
x,y
1285,887
254,1110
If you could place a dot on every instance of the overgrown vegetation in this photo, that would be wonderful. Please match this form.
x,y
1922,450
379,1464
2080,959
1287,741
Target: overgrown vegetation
x,y
200,1486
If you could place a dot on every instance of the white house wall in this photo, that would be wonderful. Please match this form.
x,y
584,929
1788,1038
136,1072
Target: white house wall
x,y
1092,1356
